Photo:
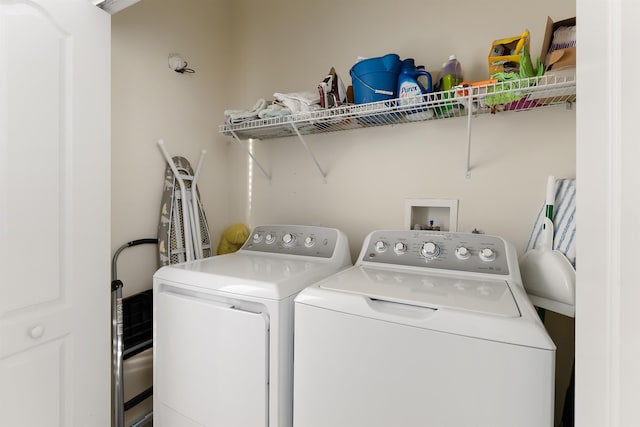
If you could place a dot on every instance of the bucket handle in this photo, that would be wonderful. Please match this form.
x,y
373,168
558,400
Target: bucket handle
x,y
376,91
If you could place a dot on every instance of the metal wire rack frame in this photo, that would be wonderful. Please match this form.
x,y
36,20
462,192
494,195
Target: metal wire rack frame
x,y
462,101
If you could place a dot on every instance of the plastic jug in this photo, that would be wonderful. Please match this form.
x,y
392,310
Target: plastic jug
x,y
451,74
413,81
450,77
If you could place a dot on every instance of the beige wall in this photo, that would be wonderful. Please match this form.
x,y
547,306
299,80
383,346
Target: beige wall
x,y
371,173
287,46
243,50
150,101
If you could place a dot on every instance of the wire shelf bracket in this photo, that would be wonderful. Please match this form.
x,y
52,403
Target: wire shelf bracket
x,y
323,173
253,158
467,174
313,157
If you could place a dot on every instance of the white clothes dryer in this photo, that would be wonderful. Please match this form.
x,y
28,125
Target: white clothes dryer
x,y
223,328
427,329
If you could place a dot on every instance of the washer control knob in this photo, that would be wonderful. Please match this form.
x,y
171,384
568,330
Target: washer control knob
x,y
430,250
309,241
257,238
288,239
269,238
462,253
487,254
400,248
380,246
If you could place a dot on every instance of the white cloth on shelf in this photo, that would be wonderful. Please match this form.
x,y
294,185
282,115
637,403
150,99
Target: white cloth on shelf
x,y
239,116
274,111
299,102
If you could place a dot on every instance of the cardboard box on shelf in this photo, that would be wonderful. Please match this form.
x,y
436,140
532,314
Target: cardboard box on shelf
x,y
563,57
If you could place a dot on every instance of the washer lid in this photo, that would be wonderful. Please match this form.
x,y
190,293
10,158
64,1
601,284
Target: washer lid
x,y
477,295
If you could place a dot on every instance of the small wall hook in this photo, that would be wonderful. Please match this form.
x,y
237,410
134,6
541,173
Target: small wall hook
x,y
178,64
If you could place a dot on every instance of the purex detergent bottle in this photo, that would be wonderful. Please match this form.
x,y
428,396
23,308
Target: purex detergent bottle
x,y
413,83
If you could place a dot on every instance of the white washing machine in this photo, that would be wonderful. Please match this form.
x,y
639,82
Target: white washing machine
x,y
427,329
223,328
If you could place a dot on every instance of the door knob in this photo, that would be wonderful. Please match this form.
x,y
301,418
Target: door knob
x,y
36,332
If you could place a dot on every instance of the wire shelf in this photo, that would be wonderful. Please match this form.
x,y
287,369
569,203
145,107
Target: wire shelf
x,y
490,98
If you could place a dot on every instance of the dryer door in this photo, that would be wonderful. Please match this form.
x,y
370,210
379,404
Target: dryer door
x,y
211,363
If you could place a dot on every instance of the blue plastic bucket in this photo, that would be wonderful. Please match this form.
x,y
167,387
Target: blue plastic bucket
x,y
375,79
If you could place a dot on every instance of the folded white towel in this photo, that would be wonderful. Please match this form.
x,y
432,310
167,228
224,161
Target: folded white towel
x,y
299,102
273,111
237,116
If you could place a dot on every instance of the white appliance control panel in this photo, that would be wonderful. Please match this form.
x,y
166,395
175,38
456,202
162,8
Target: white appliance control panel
x,y
293,240
476,253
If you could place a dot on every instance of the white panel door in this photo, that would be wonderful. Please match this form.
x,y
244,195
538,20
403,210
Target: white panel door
x,y
54,214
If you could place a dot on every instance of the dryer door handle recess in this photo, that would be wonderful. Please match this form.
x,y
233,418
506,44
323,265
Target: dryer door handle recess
x,y
193,297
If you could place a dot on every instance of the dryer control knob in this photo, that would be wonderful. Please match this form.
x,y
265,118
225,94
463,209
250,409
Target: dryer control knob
x,y
487,254
462,253
257,238
269,238
430,250
288,239
380,246
309,241
400,248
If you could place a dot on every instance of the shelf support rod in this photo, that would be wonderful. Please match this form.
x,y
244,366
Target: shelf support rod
x,y
469,115
306,146
235,137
